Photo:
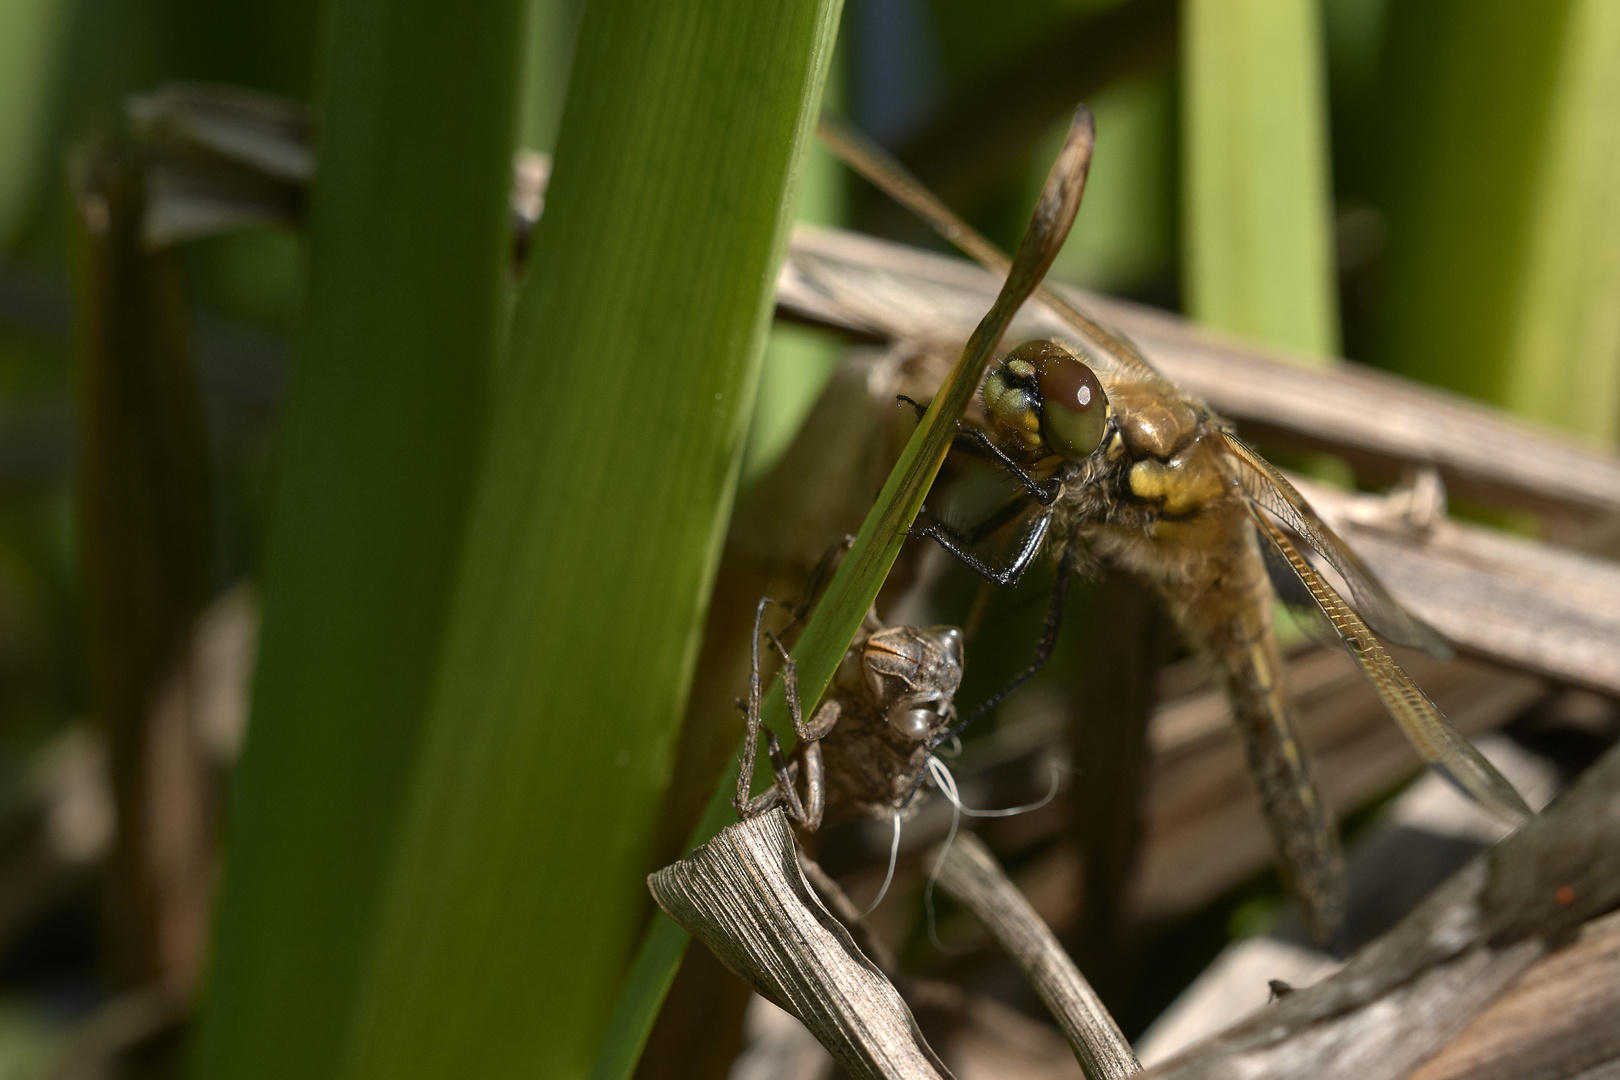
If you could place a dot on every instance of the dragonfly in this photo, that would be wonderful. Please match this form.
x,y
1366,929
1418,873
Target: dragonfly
x,y
865,749
1116,466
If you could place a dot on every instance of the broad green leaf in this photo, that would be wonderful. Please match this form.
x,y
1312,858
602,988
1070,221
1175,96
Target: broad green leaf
x,y
798,360
408,271
1504,206
663,944
615,437
1565,342
30,46
1256,240
549,53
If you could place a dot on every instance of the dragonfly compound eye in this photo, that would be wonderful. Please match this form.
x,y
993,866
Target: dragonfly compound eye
x,y
1012,403
1074,408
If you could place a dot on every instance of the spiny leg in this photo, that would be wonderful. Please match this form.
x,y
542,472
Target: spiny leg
x,y
974,442
1044,492
963,441
977,443
810,812
996,520
745,768
958,544
1043,647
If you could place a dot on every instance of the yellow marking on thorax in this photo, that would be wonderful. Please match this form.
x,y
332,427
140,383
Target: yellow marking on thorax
x,y
1184,484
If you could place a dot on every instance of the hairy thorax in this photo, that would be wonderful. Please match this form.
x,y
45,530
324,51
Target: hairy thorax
x,y
1160,499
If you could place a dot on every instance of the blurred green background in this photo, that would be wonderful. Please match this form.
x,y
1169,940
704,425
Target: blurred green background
x,y
404,441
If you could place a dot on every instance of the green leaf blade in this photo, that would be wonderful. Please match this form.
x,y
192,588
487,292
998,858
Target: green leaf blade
x,y
1503,196
860,575
383,421
1258,249
614,445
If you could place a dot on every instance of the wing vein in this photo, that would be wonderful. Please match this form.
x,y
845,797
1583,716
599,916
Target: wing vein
x,y
1425,727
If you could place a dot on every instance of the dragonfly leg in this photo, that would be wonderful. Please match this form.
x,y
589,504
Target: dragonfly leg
x,y
1044,492
819,577
787,793
826,715
822,723
963,443
760,803
790,685
808,812
1043,646
970,440
745,769
1008,511
958,544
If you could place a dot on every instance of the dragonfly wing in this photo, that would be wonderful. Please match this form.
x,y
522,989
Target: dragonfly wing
x,y
1429,732
884,171
1264,485
1296,599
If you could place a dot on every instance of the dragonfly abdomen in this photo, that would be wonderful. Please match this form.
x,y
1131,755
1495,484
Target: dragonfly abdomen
x,y
1227,617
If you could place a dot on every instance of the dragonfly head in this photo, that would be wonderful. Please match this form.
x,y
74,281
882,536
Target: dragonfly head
x,y
1044,399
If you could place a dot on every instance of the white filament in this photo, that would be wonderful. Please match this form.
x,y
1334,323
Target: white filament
x,y
888,879
940,773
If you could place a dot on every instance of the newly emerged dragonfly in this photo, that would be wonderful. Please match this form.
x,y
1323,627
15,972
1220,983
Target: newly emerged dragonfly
x,y
864,751
1115,465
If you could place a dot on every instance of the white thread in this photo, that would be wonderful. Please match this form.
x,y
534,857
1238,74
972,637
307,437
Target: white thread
x,y
894,857
940,773
943,779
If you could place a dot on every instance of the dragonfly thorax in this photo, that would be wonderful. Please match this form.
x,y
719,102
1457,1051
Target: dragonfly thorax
x,y
1154,425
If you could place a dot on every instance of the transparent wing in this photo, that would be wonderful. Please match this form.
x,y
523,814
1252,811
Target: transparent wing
x,y
1297,599
885,173
1267,487
1429,732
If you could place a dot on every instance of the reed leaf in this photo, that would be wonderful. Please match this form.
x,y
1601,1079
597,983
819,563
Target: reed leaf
x,y
861,574
30,33
663,946
615,438
1504,206
408,248
1256,242
1565,346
